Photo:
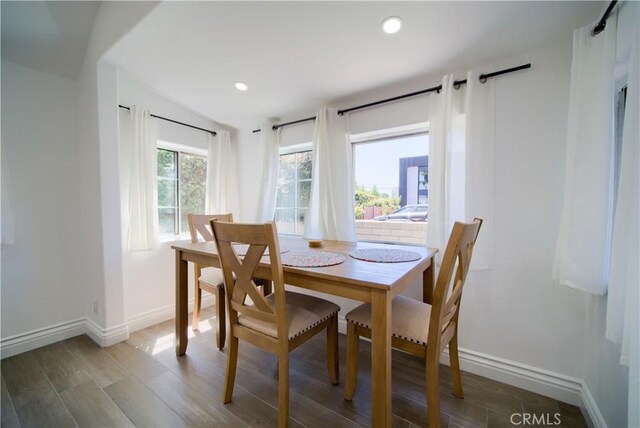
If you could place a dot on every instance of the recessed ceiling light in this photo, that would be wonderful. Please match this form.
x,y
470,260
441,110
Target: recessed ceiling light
x,y
241,86
392,24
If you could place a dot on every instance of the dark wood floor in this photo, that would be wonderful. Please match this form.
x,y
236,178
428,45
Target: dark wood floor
x,y
142,383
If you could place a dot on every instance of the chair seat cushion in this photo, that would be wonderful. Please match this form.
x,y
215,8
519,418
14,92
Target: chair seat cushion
x,y
212,278
303,313
409,318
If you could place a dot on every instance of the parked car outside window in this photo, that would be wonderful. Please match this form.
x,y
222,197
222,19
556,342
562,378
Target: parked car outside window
x,y
406,213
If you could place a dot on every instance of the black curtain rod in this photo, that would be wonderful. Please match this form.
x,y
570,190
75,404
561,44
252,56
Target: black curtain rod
x,y
280,125
456,84
600,26
173,121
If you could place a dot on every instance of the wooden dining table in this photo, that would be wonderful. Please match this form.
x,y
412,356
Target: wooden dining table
x,y
374,283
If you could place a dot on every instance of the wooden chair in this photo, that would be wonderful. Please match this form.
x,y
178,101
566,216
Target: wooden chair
x,y
421,329
208,279
278,323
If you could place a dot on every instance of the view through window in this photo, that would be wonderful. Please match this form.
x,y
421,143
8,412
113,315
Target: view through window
x,y
391,174
392,177
294,191
181,189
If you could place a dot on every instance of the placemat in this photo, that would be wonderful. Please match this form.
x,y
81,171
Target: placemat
x,y
241,250
312,259
385,255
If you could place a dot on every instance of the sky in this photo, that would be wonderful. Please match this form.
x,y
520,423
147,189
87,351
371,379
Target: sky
x,y
377,162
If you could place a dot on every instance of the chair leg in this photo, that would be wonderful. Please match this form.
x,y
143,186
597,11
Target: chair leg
x,y
197,297
232,363
221,315
267,287
283,391
351,376
433,393
332,351
455,367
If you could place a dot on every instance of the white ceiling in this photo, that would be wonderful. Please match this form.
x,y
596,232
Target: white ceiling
x,y
297,56
294,56
47,36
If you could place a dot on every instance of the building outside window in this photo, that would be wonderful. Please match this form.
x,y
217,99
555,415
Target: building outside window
x,y
181,189
391,189
294,191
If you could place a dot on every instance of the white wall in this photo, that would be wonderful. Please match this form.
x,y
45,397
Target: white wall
x,y
100,215
514,312
41,161
149,276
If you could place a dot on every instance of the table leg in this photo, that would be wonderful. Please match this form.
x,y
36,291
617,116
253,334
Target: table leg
x,y
380,359
428,283
182,306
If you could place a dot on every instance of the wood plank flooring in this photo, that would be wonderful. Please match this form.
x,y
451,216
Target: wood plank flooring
x,y
142,383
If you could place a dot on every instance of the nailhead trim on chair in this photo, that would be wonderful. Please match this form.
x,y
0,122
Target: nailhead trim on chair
x,y
311,326
394,335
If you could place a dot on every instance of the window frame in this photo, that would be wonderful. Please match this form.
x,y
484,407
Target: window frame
x,y
287,151
381,135
178,150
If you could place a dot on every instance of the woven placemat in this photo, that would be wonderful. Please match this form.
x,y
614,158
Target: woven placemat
x,y
241,250
312,258
385,255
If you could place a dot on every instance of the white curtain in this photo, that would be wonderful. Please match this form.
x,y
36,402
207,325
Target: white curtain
x,y
446,163
331,205
142,229
479,162
222,178
582,250
270,151
623,300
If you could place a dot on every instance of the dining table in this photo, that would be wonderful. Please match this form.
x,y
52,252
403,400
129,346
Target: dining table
x,y
364,281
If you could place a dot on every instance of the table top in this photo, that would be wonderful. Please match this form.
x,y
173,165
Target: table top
x,y
357,272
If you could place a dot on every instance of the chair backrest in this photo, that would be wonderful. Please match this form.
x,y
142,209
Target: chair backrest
x,y
451,279
199,224
259,238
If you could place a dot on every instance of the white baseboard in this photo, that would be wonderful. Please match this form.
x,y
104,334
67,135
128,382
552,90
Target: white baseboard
x,y
551,384
544,382
156,316
33,339
590,409
106,336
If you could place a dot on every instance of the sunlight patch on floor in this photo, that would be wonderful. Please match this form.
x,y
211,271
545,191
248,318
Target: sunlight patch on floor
x,y
168,341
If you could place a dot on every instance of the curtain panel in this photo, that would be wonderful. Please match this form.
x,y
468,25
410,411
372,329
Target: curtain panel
x,y
461,162
582,250
222,179
331,205
142,219
269,155
623,300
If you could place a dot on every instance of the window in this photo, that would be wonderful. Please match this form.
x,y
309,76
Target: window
x,y
181,189
294,191
392,176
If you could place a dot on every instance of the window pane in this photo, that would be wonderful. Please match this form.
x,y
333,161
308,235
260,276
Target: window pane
x,y
294,189
302,215
392,186
193,183
285,220
167,192
287,168
304,193
304,165
166,217
286,194
167,163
